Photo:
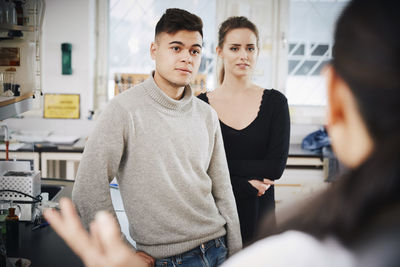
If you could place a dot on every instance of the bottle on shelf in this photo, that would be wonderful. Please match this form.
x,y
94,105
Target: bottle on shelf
x,y
9,13
12,231
20,12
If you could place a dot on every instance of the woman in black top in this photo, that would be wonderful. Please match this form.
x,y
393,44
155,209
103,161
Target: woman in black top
x,y
254,122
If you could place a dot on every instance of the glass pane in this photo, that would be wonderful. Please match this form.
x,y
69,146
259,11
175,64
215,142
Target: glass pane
x,y
299,51
319,49
293,64
306,67
319,68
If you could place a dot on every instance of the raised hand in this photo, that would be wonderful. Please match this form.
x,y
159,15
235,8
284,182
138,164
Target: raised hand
x,y
101,247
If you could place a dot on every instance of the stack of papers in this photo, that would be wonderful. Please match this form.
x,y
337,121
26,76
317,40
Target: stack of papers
x,y
12,146
30,136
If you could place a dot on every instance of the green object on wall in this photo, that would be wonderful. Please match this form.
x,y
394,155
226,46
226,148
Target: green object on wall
x,y
66,49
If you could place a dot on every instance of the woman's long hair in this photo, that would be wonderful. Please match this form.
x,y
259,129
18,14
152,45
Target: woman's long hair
x,y
366,55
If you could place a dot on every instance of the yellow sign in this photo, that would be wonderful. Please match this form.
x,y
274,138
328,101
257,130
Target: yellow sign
x,y
61,106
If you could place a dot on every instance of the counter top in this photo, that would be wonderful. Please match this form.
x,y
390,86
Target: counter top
x,y
51,147
295,150
298,157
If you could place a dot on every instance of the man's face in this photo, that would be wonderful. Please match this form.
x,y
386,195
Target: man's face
x,y
177,57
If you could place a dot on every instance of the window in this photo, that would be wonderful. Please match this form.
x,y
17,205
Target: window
x,y
132,25
310,38
296,43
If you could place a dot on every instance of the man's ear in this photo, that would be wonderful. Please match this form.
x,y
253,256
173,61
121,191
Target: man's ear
x,y
153,50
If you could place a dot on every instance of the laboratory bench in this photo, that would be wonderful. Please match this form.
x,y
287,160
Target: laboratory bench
x,y
43,247
49,158
303,176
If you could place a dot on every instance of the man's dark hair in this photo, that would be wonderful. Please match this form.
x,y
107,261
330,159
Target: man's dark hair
x,y
175,19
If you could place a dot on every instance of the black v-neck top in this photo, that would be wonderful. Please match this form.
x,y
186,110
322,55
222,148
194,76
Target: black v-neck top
x,y
259,150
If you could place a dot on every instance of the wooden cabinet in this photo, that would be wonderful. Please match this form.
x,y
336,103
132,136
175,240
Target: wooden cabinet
x,y
295,186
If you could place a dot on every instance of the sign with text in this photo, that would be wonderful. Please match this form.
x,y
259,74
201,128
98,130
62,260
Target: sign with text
x,y
61,106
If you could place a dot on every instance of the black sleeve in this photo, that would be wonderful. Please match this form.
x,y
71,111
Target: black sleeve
x,y
274,162
203,96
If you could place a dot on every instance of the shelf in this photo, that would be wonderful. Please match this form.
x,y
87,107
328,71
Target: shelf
x,y
11,27
12,106
11,100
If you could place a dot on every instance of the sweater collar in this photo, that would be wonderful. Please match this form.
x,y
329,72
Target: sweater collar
x,y
164,100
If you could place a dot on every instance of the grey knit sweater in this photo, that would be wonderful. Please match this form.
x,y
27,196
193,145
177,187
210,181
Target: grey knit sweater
x,y
169,160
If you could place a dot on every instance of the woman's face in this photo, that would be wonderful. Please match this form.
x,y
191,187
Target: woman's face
x,y
239,52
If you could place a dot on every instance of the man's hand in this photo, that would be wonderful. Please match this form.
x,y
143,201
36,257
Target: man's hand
x,y
146,258
101,247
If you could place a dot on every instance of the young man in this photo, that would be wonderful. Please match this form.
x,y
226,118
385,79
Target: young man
x,y
165,148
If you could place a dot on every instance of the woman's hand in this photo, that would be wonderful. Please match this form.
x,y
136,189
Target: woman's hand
x,y
261,186
268,181
103,246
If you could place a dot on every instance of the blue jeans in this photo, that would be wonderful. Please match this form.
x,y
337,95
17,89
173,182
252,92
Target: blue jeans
x,y
209,254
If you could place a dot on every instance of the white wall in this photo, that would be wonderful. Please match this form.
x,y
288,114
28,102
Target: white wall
x,y
68,21
71,21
